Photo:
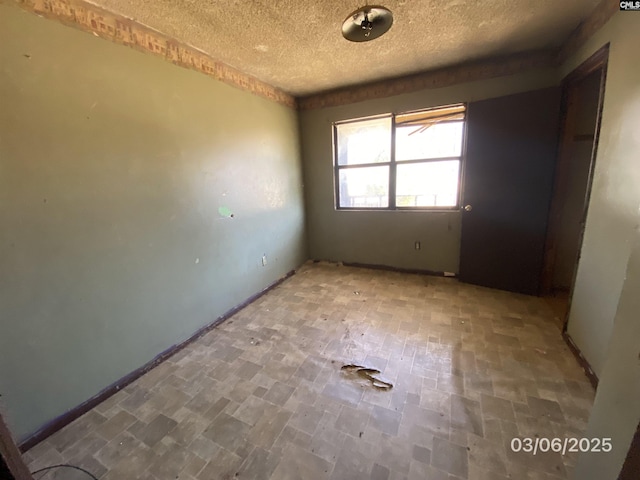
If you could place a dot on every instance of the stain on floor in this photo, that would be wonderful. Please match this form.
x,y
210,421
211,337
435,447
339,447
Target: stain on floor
x,y
262,396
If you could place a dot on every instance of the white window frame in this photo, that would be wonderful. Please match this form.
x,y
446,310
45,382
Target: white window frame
x,y
392,164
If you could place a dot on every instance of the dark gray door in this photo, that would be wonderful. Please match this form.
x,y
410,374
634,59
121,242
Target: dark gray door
x,y
508,181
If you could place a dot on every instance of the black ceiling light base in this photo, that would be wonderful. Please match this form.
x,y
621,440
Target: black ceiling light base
x,y
367,23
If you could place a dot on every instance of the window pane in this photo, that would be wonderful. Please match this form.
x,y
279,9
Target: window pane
x,y
367,141
432,184
437,140
366,187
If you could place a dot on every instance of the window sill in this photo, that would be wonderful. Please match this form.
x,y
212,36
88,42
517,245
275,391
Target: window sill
x,y
411,210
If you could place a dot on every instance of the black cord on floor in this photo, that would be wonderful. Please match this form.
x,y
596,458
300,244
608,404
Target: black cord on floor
x,y
64,465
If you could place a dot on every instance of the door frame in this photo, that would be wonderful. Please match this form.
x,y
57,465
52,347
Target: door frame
x,y
10,454
597,61
631,464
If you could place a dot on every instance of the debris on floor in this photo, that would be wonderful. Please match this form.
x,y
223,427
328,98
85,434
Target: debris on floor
x,y
368,374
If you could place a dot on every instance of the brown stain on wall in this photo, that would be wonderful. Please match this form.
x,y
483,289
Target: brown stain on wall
x,y
125,31
446,77
434,79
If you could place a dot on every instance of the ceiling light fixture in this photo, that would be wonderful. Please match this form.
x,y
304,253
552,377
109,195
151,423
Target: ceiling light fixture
x,y
367,23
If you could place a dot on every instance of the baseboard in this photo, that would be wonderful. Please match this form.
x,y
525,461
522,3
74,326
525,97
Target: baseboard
x,y
588,371
400,270
63,420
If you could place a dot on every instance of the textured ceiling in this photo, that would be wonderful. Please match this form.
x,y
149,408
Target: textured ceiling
x,y
297,46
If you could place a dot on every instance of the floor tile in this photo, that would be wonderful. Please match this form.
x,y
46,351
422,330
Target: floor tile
x,y
263,395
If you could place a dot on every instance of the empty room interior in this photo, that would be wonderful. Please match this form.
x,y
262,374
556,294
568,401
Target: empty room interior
x,y
319,240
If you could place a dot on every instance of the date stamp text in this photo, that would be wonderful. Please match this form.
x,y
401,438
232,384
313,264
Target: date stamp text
x,y
561,445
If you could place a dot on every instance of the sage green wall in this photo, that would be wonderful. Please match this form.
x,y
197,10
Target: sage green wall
x,y
113,165
615,195
388,237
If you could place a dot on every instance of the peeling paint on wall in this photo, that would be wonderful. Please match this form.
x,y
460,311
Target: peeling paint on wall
x,y
126,31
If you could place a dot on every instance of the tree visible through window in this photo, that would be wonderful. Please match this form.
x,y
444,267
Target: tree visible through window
x,y
409,160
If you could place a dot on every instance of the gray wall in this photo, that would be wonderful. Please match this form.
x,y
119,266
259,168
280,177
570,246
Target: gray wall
x,y
388,237
113,167
616,409
615,196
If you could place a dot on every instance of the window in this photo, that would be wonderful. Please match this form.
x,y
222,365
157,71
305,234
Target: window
x,y
405,161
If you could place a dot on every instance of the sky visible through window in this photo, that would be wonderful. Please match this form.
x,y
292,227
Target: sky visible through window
x,y
425,184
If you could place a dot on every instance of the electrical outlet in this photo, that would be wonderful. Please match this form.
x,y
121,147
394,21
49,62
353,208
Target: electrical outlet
x,y
264,260
417,245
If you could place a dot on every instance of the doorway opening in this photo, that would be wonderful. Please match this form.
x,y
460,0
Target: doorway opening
x,y
582,100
